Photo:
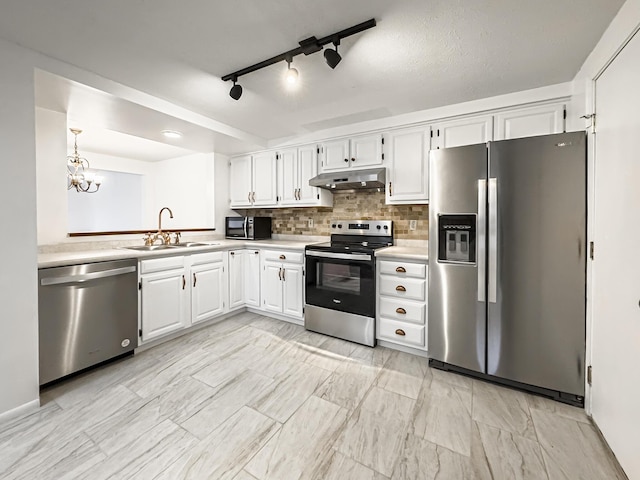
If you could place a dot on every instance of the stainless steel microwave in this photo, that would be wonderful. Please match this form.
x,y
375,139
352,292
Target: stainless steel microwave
x,y
248,228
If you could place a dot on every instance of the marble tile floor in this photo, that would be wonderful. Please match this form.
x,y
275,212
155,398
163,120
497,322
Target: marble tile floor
x,y
252,398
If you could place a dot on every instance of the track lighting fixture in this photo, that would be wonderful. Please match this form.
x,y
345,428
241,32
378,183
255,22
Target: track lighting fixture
x,y
292,74
236,90
307,46
331,56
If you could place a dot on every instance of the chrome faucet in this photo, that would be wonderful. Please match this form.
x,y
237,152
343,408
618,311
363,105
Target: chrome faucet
x,y
165,237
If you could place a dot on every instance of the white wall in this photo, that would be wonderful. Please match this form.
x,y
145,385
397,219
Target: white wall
x,y
18,260
222,196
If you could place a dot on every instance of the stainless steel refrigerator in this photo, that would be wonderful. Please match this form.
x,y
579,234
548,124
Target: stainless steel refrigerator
x,y
507,263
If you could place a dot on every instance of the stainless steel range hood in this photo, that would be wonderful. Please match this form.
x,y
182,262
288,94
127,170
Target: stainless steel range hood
x,y
372,179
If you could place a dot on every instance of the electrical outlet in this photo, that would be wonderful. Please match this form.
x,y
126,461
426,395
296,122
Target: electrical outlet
x,y
413,224
311,223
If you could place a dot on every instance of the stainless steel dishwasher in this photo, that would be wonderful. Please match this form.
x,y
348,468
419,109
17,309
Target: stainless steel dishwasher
x,y
87,314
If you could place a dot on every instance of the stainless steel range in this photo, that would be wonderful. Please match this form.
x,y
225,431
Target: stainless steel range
x,y
340,283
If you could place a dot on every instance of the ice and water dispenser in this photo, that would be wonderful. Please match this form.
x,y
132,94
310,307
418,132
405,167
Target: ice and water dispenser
x,y
457,238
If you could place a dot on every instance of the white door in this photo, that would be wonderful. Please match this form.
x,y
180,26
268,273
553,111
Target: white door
x,y
466,131
271,290
264,180
307,169
615,286
408,166
529,122
293,284
207,291
164,299
366,151
236,278
288,177
252,278
334,155
240,181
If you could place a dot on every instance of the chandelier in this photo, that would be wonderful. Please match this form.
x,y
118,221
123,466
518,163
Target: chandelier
x,y
78,174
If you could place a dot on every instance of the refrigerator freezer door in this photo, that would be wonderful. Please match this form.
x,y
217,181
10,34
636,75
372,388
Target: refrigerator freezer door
x,y
536,326
457,308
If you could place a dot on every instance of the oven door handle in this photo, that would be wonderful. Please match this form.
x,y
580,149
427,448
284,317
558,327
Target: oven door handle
x,y
340,256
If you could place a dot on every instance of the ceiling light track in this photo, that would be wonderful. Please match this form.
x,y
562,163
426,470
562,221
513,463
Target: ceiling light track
x,y
307,46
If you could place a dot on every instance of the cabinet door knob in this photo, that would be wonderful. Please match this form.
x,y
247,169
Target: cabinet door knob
x,y
346,160
282,257
400,288
401,311
401,270
232,253
256,252
400,332
353,159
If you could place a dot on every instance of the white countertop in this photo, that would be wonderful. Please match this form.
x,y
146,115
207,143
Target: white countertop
x,y
74,257
409,253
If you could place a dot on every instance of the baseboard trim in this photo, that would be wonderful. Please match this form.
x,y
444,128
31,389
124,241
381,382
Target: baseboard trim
x,y
402,348
20,411
284,318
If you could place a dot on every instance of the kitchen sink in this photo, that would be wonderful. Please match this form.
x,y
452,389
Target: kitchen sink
x,y
151,248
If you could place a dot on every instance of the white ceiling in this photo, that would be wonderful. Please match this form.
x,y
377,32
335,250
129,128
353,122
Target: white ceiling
x,y
422,54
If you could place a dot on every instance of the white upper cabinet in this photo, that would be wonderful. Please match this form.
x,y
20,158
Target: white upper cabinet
x,y
464,131
296,166
529,122
408,166
240,181
357,152
252,180
264,179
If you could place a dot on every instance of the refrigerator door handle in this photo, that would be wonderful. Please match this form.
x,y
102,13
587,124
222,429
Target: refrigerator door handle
x,y
493,239
482,239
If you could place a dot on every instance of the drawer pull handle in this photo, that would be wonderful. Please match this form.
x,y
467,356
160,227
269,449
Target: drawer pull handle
x,y
401,311
282,257
195,279
400,332
256,252
232,253
400,288
401,270
184,282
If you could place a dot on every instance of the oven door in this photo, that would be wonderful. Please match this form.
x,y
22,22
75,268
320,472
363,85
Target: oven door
x,y
341,281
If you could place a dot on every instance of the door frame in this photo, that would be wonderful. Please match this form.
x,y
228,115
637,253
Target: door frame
x,y
592,222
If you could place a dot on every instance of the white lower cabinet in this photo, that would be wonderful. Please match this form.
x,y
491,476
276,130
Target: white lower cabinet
x,y
282,282
252,278
237,260
176,292
402,303
207,286
164,300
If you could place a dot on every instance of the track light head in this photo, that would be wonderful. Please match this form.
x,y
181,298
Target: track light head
x,y
331,56
236,90
292,74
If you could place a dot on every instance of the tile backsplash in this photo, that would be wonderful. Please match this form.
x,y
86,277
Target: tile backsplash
x,y
366,205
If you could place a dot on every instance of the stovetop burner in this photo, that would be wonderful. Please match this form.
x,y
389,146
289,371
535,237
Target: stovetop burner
x,y
358,236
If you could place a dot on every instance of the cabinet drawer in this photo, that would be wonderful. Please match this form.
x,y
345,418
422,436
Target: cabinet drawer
x,y
403,269
160,264
411,288
402,332
209,257
283,256
402,310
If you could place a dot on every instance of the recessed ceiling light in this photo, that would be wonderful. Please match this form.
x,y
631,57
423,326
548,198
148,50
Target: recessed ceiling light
x,y
171,134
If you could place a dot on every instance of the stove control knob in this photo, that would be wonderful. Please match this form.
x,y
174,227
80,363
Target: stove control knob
x,y
386,227
339,225
378,227
333,225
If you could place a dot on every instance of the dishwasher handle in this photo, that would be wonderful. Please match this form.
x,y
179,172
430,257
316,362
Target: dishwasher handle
x,y
86,277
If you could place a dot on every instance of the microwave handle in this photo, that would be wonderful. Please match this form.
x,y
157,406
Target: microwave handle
x,y
246,223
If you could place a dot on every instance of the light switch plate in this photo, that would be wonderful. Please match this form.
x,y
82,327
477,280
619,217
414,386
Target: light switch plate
x,y
413,224
311,223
